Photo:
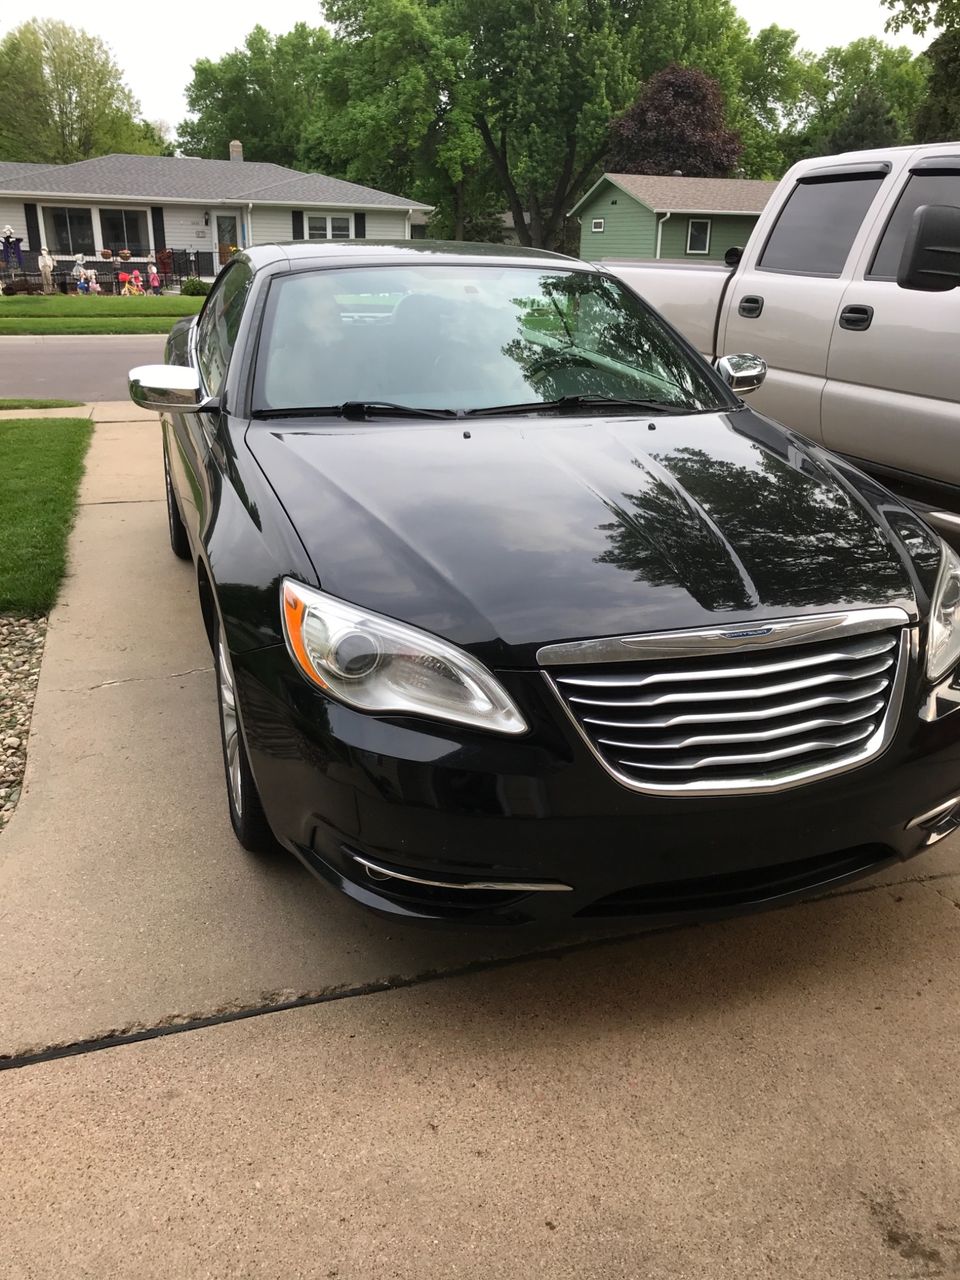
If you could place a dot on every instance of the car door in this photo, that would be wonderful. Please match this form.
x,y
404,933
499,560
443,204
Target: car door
x,y
784,300
194,434
893,385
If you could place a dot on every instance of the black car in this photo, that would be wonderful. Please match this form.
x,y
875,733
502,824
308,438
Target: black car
x,y
518,612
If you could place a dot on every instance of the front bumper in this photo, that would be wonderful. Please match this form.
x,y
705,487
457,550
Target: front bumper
x,y
347,791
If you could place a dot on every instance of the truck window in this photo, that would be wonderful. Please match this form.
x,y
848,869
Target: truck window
x,y
923,188
818,224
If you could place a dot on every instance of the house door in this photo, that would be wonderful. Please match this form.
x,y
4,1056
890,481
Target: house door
x,y
228,236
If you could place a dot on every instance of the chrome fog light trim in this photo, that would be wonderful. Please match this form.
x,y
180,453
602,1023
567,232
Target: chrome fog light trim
x,y
934,813
377,872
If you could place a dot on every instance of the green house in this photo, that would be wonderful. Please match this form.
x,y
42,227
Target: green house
x,y
639,215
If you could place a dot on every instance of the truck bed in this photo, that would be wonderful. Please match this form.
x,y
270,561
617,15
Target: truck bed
x,y
687,293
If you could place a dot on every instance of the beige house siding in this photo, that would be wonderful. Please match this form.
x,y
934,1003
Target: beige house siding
x,y
11,214
386,224
183,228
271,224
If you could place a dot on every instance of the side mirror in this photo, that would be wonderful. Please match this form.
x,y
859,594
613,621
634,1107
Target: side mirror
x,y
733,255
742,373
931,253
167,386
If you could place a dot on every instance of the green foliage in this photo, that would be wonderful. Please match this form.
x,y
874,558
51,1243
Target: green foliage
x,y
938,119
919,15
837,81
62,98
869,123
265,94
194,287
41,461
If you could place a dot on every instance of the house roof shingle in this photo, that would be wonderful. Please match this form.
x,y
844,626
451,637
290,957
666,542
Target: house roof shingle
x,y
161,178
692,195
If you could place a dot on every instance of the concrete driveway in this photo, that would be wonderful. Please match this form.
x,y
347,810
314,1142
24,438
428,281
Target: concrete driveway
x,y
773,1096
75,368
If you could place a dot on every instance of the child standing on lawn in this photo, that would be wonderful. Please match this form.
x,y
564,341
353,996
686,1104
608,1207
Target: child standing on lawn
x,y
153,280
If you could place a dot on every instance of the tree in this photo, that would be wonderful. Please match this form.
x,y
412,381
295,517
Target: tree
x,y
265,93
520,90
677,123
838,78
921,14
62,98
768,103
869,123
938,119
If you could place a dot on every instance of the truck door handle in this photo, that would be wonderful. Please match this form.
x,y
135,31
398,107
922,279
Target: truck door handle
x,y
750,306
857,318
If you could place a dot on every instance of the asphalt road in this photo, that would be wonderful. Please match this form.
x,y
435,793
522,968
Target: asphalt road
x,y
74,368
774,1096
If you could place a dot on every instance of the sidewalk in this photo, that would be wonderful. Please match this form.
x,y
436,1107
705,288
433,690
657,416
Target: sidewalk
x,y
770,1097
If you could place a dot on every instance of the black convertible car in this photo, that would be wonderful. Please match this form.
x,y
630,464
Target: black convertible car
x,y
519,612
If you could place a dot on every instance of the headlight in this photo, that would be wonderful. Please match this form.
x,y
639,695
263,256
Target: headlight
x,y
375,664
943,635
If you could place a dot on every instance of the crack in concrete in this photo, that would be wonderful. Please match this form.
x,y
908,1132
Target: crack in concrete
x,y
285,1001
107,684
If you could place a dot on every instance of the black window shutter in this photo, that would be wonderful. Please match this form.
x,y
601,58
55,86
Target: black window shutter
x,y
159,233
33,228
359,226
298,224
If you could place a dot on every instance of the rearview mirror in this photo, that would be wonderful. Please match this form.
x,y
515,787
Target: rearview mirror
x,y
167,386
742,373
931,253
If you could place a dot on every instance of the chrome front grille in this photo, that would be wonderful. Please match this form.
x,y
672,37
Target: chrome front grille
x,y
754,710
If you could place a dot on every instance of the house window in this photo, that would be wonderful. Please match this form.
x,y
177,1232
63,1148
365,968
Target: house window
x,y
320,227
597,224
125,229
69,230
698,235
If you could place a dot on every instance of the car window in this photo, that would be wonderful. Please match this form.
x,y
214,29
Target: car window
x,y
818,224
923,188
219,324
468,336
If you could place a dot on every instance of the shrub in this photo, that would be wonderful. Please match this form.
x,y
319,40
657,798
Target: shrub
x,y
194,287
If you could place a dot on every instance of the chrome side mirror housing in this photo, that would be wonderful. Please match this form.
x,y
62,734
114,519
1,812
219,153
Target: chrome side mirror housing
x,y
742,373
167,386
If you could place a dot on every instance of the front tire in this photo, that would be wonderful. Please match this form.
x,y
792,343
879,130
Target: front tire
x,y
247,817
179,543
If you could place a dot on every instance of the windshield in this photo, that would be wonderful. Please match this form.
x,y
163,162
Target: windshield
x,y
469,337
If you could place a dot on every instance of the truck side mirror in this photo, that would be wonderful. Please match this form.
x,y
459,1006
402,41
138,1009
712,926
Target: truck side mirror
x,y
931,254
732,256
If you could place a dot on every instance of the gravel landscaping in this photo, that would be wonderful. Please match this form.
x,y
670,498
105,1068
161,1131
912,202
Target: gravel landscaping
x,y
21,648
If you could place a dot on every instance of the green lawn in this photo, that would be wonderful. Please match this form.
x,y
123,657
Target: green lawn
x,y
39,404
41,461
71,314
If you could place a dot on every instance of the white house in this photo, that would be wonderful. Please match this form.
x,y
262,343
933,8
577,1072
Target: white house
x,y
206,208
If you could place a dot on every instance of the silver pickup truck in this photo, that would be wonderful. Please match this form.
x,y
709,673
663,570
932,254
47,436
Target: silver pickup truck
x,y
857,363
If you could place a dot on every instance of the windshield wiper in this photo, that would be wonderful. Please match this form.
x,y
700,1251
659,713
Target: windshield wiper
x,y
356,411
572,404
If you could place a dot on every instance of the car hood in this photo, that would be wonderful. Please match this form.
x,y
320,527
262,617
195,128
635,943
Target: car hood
x,y
506,534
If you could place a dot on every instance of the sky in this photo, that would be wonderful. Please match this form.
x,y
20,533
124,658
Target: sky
x,y
157,58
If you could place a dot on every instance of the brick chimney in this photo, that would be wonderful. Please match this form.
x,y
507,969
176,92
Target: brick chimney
x,y
236,149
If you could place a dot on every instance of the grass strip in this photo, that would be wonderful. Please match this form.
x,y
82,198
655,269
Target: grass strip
x,y
39,404
41,462
168,304
41,326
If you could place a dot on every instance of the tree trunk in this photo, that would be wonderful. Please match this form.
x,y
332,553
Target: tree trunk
x,y
458,211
